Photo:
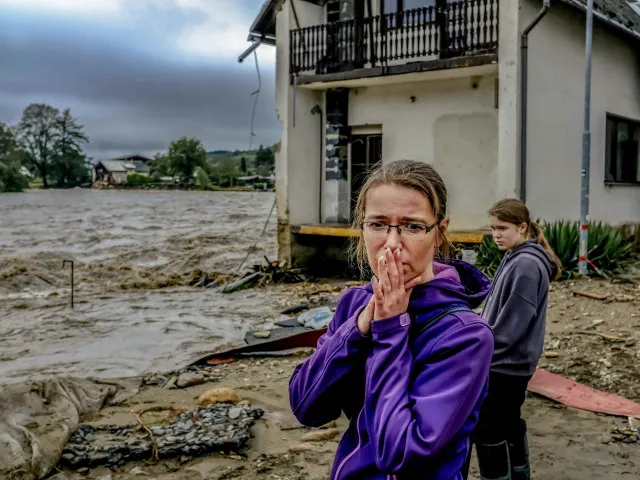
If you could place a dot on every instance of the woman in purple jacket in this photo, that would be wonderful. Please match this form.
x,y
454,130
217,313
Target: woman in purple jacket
x,y
404,357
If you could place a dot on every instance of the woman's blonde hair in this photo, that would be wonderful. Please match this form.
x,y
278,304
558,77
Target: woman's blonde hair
x,y
418,176
513,210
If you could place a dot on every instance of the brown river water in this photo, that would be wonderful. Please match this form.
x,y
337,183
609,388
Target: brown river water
x,y
135,253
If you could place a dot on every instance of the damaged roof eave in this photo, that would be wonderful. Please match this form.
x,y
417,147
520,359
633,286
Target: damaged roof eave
x,y
263,27
604,19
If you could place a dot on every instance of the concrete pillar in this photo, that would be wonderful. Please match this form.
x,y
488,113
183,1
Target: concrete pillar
x,y
508,104
335,208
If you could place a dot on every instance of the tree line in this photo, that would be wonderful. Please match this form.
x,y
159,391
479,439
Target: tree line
x,y
48,144
189,163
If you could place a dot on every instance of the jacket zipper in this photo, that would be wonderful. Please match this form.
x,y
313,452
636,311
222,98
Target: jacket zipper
x,y
346,459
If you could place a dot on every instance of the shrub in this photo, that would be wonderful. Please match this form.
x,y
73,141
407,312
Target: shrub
x,y
202,178
608,250
138,179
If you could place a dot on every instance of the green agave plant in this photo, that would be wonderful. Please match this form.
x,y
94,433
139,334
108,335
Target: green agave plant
x,y
608,250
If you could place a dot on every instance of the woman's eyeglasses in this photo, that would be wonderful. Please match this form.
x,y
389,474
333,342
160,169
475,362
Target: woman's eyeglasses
x,y
407,229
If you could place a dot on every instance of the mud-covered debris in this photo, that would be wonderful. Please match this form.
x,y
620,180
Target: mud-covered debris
x,y
219,395
190,379
202,431
321,435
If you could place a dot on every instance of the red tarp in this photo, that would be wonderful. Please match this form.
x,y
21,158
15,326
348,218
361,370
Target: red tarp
x,y
574,394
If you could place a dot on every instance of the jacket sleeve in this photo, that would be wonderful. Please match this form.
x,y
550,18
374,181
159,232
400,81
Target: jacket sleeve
x,y
314,387
412,420
520,307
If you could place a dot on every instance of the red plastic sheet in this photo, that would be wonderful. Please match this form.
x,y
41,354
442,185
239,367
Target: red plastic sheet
x,y
577,395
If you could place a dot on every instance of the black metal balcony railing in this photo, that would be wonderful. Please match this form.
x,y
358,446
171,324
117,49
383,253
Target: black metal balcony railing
x,y
462,28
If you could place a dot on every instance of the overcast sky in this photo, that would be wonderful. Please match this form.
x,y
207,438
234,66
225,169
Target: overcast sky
x,y
138,73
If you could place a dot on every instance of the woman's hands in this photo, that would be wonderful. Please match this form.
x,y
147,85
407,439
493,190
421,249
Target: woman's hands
x,y
390,292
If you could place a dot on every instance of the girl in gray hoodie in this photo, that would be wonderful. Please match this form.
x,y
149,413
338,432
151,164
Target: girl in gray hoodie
x,y
516,311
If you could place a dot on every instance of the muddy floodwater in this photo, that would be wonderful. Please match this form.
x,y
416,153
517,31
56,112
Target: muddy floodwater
x,y
135,255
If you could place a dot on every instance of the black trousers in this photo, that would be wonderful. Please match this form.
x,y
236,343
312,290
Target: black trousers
x,y
500,437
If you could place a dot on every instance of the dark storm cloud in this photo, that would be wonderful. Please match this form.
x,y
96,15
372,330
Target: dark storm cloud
x,y
134,92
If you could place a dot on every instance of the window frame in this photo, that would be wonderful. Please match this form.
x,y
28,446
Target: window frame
x,y
610,156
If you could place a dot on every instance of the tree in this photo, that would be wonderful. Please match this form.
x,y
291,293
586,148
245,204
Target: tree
x,y
37,134
265,161
243,165
69,162
53,144
226,171
160,166
11,177
184,156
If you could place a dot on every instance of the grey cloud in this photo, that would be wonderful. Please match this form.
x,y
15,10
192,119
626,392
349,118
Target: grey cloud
x,y
133,94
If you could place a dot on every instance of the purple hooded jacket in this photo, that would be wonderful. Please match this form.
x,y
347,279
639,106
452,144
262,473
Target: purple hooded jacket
x,y
412,396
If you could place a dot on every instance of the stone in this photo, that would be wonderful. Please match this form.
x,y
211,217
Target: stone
x,y
321,435
137,471
234,413
189,380
171,384
83,470
218,395
301,447
262,334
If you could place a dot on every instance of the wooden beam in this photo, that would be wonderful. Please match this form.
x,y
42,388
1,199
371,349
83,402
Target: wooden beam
x,y
474,236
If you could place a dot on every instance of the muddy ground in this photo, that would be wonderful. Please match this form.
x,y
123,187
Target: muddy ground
x,y
565,443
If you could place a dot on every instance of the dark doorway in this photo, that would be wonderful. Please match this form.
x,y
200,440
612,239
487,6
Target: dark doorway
x,y
366,155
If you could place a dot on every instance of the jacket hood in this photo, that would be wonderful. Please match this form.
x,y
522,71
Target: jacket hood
x,y
455,282
534,248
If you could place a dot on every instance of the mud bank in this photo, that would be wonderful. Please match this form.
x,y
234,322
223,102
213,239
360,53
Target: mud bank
x,y
566,444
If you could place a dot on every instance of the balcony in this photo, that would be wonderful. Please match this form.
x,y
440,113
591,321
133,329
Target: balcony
x,y
433,37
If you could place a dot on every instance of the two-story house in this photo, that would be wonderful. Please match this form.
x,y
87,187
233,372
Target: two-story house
x,y
447,82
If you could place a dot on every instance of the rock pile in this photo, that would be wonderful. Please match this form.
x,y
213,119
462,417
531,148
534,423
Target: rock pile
x,y
221,427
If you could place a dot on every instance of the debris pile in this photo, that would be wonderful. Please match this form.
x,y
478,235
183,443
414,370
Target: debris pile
x,y
217,428
265,274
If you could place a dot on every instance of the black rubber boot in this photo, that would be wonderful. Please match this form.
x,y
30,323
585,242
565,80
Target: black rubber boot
x,y
519,455
494,461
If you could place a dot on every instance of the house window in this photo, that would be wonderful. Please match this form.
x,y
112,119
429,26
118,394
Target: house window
x,y
623,155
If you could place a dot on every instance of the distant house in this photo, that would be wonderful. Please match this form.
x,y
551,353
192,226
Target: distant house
x,y
115,171
250,180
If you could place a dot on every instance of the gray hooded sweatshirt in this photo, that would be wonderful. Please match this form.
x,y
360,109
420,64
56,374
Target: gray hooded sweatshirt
x,y
516,308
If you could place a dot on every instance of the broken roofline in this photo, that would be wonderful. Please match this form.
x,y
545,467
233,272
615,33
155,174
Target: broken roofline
x,y
263,27
604,18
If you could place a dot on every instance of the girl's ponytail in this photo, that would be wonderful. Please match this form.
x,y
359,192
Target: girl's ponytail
x,y
538,235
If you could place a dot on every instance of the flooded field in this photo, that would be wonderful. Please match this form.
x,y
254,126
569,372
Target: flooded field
x,y
135,254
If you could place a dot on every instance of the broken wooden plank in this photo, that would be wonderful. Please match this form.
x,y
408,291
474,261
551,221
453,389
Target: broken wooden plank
x,y
593,296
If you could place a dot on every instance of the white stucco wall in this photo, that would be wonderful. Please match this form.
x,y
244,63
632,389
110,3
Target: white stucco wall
x,y
450,125
556,113
298,161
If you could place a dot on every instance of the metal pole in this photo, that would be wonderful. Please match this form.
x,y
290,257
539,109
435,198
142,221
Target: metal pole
x,y
72,283
586,149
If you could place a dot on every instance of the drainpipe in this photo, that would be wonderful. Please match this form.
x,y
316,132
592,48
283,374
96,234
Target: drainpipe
x,y
316,110
524,58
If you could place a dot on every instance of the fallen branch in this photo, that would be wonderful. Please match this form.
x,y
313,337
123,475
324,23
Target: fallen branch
x,y
154,457
593,296
599,334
